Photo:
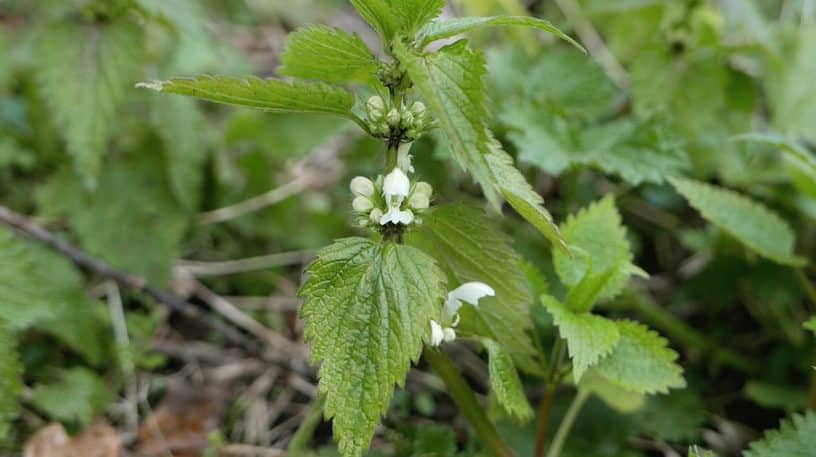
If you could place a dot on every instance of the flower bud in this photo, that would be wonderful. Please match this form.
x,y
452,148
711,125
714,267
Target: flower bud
x,y
375,215
375,103
393,118
418,110
362,186
396,184
361,204
407,120
419,202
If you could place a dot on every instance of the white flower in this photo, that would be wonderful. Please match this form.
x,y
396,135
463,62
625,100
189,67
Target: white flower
x,y
421,196
397,216
361,204
375,215
396,186
362,187
440,335
469,292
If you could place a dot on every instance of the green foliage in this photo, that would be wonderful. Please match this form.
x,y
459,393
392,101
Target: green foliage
x,y
505,382
367,310
589,338
469,247
641,362
379,15
599,234
622,400
83,71
10,385
795,438
759,229
265,94
440,30
327,54
77,397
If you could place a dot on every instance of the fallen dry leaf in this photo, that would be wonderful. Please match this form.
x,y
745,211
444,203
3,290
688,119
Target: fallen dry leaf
x,y
100,440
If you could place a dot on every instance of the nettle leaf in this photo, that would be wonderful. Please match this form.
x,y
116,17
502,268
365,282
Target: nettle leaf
x,y
599,233
796,437
439,30
641,361
367,309
327,54
83,71
139,232
505,382
469,247
450,81
78,396
413,14
11,374
754,225
622,400
379,16
266,94
182,128
589,337
800,162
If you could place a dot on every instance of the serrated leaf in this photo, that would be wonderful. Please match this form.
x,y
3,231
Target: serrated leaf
x,y
327,54
413,14
78,396
754,225
83,71
469,247
581,297
367,308
138,232
439,30
641,361
11,374
589,337
622,400
792,97
796,437
505,382
181,127
379,16
597,230
450,81
272,95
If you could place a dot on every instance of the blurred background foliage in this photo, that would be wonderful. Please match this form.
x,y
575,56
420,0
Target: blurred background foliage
x,y
134,178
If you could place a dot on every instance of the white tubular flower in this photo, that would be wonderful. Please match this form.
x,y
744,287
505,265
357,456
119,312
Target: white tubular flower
x,y
437,334
397,216
361,204
362,187
396,187
450,334
469,292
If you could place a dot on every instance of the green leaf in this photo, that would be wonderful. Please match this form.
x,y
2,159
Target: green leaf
x,y
83,71
754,225
139,232
505,382
439,30
77,397
379,15
327,54
622,400
589,337
182,128
265,94
695,451
469,247
597,230
367,308
792,97
767,395
413,14
450,81
641,361
11,374
800,162
810,324
581,297
796,437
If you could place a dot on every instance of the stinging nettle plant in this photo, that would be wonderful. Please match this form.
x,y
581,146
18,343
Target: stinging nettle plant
x,y
428,275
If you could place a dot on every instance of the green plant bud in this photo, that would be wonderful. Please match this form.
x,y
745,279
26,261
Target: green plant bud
x,y
362,204
420,198
381,128
407,120
418,110
375,103
393,118
362,186
412,134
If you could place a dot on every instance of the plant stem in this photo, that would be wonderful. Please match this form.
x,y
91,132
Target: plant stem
x,y
300,440
807,286
550,386
566,424
461,393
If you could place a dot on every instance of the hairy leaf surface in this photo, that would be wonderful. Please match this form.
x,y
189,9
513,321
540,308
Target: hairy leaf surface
x,y
505,382
796,437
367,308
327,54
440,30
754,225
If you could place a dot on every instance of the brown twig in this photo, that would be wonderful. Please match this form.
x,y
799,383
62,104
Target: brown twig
x,y
89,263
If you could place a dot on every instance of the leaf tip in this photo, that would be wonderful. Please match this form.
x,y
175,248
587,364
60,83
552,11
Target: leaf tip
x,y
152,85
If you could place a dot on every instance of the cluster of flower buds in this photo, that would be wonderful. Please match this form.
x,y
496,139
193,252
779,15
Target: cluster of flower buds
x,y
390,121
392,199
